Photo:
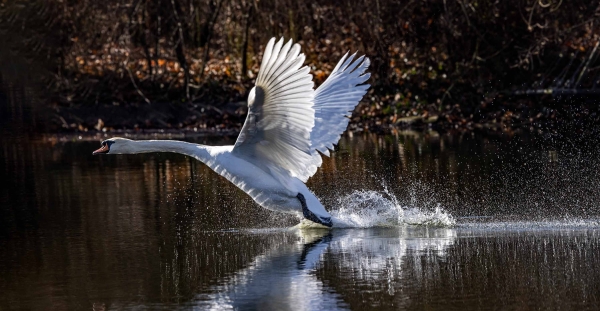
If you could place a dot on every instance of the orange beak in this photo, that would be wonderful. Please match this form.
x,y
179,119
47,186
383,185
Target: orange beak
x,y
103,149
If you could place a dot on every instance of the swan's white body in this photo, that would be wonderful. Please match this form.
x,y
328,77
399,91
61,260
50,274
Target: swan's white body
x,y
261,186
287,124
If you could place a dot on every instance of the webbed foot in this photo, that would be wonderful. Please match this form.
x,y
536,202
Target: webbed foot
x,y
325,221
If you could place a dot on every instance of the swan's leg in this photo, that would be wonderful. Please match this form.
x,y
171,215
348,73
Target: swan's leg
x,y
325,221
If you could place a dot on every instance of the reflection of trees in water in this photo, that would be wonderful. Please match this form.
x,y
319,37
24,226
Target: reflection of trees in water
x,y
548,270
98,227
463,269
401,268
75,229
16,103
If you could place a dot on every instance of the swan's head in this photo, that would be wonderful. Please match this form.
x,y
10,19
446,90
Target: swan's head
x,y
116,145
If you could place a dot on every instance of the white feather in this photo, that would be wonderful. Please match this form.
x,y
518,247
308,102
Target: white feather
x,y
335,100
276,134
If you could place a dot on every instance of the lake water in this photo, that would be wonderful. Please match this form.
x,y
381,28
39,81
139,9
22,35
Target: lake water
x,y
422,221
437,222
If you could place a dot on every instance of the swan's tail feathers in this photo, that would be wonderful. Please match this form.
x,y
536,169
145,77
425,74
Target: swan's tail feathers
x,y
335,100
312,216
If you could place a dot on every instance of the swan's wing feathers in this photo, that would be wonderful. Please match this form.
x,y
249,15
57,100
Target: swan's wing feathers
x,y
276,134
335,100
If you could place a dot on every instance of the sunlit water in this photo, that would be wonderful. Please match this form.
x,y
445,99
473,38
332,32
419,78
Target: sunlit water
x,y
422,221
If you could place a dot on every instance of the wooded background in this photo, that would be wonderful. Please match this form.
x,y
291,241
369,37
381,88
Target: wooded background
x,y
458,59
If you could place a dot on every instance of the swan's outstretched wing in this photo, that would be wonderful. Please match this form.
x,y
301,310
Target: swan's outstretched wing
x,y
276,134
335,99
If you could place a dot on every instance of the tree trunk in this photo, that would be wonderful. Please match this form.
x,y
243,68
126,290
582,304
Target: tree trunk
x,y
209,35
180,49
245,43
144,40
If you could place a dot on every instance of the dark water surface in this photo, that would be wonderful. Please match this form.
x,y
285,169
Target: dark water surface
x,y
441,222
161,231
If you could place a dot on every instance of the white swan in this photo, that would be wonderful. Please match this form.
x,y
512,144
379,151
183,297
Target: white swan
x,y
287,123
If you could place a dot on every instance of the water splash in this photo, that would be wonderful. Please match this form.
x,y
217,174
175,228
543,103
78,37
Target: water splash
x,y
367,209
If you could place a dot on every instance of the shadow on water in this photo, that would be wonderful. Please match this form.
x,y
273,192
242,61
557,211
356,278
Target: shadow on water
x,y
163,231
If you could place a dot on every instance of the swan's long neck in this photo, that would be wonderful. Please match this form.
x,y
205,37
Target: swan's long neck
x,y
200,152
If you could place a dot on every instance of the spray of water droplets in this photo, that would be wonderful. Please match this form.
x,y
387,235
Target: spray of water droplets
x,y
367,209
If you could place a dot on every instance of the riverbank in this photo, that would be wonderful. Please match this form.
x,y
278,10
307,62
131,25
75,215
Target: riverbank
x,y
511,115
456,66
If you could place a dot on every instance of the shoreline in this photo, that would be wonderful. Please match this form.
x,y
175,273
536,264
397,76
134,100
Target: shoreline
x,y
508,116
233,133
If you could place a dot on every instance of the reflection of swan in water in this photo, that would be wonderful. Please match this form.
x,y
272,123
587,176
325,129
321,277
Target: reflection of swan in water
x,y
284,277
287,125
279,279
380,257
